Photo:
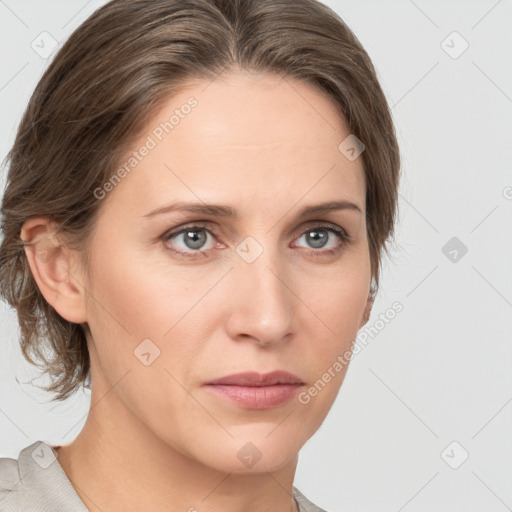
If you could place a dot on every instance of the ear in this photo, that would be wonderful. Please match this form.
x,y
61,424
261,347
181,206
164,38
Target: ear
x,y
52,265
367,310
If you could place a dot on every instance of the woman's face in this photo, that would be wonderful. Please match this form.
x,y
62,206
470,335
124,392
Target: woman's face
x,y
262,289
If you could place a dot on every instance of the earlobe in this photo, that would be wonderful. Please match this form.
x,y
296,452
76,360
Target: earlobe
x,y
51,266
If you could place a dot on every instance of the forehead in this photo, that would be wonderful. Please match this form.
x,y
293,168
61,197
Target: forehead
x,y
256,137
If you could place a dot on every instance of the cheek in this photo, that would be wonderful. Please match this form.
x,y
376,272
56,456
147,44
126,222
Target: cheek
x,y
327,344
154,293
144,301
133,304
339,297
336,306
120,314
133,299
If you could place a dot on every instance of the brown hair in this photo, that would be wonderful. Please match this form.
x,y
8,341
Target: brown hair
x,y
108,79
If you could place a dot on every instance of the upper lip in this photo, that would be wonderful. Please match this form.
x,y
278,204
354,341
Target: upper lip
x,y
258,379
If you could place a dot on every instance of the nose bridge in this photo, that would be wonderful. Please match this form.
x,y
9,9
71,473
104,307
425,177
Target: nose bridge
x,y
262,298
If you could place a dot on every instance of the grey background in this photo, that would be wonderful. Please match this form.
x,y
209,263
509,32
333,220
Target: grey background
x,y
440,371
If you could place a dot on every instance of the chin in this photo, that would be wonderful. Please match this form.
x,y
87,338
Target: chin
x,y
250,450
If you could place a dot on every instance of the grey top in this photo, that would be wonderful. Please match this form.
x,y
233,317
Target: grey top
x,y
36,482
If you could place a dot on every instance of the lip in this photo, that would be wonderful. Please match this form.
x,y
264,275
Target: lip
x,y
253,390
257,379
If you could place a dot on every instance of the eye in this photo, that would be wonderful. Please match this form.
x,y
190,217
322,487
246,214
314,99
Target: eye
x,y
191,240
319,236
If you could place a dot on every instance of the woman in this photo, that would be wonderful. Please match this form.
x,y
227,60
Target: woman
x,y
198,198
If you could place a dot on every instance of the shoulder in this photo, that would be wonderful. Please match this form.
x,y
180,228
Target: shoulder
x,y
36,482
304,504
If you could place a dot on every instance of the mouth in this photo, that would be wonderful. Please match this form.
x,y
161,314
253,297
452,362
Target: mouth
x,y
252,390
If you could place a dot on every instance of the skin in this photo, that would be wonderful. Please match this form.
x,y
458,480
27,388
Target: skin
x,y
155,439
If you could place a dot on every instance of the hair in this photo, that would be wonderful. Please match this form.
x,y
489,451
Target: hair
x,y
103,86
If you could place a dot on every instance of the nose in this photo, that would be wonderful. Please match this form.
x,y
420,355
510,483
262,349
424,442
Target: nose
x,y
262,300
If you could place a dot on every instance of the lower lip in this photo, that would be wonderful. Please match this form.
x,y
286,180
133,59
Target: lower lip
x,y
256,397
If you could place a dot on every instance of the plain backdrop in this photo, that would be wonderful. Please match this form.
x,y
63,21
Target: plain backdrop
x,y
423,421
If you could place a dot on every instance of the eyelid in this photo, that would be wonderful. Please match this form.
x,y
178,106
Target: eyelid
x,y
324,224
210,226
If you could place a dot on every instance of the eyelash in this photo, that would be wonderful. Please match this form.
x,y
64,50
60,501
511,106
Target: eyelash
x,y
332,228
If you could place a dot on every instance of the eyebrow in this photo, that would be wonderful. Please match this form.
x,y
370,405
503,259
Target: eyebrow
x,y
217,210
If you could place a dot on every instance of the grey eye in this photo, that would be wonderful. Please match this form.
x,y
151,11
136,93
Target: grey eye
x,y
191,238
317,238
